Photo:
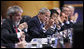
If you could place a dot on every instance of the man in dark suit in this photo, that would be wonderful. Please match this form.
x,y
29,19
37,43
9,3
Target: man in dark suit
x,y
9,31
25,19
69,18
37,25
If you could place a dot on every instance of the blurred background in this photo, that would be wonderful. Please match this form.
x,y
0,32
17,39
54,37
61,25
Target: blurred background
x,y
31,8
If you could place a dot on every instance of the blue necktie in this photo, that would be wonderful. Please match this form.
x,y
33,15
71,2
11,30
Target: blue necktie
x,y
42,25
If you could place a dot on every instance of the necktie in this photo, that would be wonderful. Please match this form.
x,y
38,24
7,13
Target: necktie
x,y
17,32
42,25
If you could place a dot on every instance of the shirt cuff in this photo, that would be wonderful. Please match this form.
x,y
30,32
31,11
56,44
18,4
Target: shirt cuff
x,y
67,22
18,35
52,27
44,30
58,28
25,30
62,24
73,21
19,30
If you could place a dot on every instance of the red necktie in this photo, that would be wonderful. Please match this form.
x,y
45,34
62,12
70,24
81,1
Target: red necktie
x,y
17,32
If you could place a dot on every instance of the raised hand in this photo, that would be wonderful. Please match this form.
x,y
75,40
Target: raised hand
x,y
76,16
50,23
23,25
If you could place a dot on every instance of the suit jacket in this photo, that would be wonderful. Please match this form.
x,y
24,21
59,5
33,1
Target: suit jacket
x,y
26,19
35,30
8,34
65,26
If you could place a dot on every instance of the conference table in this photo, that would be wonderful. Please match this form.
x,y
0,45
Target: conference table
x,y
38,43
49,41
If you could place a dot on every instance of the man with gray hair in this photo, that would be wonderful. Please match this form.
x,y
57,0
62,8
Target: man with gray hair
x,y
10,33
37,25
